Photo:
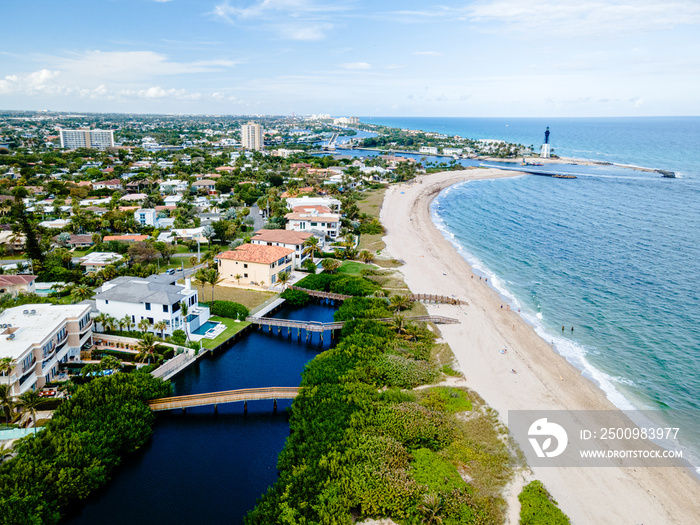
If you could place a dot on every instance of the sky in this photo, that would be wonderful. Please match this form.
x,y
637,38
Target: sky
x,y
484,58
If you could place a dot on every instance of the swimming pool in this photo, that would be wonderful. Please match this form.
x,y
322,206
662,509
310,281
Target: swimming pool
x,y
205,327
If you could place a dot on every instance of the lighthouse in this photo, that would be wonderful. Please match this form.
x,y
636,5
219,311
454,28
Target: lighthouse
x,y
546,150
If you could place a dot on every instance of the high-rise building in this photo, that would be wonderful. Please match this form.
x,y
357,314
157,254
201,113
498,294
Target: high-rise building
x,y
87,138
251,136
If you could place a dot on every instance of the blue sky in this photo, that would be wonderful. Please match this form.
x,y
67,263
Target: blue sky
x,y
353,57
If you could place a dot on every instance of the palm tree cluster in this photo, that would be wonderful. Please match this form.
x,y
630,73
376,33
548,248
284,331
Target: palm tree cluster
x,y
208,276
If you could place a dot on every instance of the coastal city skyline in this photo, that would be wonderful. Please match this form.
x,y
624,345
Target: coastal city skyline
x,y
490,58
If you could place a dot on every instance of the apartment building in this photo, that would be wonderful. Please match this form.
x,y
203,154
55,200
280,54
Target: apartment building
x,y
251,136
87,138
38,338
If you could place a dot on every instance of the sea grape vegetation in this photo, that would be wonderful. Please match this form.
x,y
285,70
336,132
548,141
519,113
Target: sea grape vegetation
x,y
78,448
364,444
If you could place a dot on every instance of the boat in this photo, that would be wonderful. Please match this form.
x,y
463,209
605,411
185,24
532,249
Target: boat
x,y
559,176
667,174
536,164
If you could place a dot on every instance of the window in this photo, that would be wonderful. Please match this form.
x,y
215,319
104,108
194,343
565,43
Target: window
x,y
148,306
245,275
245,266
165,307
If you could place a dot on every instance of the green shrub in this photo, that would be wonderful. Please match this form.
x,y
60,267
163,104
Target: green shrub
x,y
295,297
434,471
537,507
414,426
373,227
402,372
229,309
309,266
446,399
179,337
79,447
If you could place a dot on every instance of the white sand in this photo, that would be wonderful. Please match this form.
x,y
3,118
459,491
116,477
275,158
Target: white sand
x,y
544,380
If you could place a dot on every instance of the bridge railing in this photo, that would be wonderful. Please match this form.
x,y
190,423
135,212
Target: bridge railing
x,y
228,396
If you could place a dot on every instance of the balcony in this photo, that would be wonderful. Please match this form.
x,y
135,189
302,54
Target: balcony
x,y
29,367
27,383
86,328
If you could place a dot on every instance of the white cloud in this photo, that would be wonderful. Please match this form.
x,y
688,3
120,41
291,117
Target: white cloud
x,y
356,65
573,18
305,19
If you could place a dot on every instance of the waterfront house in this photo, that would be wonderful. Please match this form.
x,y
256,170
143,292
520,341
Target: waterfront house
x,y
153,299
257,264
294,240
40,337
314,219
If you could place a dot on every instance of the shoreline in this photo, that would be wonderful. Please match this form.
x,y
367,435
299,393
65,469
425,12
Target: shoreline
x,y
545,380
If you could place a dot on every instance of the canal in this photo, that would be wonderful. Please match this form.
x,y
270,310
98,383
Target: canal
x,y
205,468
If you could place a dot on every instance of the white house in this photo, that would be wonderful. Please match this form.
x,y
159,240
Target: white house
x,y
174,186
172,200
330,202
294,240
314,219
152,299
430,150
96,261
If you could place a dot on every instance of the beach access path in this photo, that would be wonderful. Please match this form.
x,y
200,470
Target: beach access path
x,y
544,379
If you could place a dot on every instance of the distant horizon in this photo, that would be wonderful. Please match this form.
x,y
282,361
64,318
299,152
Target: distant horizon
x,y
336,115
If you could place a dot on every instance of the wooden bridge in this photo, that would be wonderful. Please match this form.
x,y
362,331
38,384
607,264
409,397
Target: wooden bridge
x,y
431,298
228,396
421,297
317,326
321,295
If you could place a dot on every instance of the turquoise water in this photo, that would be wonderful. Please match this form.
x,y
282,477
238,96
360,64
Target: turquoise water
x,y
203,329
614,253
670,143
616,257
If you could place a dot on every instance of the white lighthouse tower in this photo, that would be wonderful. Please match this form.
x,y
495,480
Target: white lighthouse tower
x,y
546,150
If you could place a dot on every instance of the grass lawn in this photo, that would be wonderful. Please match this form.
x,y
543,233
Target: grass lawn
x,y
248,298
82,253
352,267
371,202
232,327
373,243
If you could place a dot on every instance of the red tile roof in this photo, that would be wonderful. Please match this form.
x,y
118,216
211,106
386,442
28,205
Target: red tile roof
x,y
283,236
256,253
125,238
13,280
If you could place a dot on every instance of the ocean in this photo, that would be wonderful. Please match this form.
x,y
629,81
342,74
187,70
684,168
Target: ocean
x,y
614,253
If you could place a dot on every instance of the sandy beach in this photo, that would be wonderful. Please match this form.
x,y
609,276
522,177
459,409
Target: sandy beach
x,y
544,379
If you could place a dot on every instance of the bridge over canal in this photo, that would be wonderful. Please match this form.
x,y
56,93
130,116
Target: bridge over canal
x,y
228,396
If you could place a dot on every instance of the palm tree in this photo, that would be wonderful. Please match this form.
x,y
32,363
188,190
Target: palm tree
x,y
6,366
126,322
366,256
330,265
147,348
7,404
238,277
430,509
310,247
101,319
185,310
80,293
399,323
160,326
120,322
29,401
400,302
144,325
109,323
283,278
5,452
212,277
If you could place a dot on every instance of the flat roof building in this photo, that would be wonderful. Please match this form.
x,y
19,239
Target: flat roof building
x,y
87,138
38,338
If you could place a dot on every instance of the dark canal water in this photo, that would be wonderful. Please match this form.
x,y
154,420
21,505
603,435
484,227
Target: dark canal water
x,y
206,468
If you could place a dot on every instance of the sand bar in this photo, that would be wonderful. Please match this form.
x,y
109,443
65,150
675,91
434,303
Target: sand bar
x,y
544,379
